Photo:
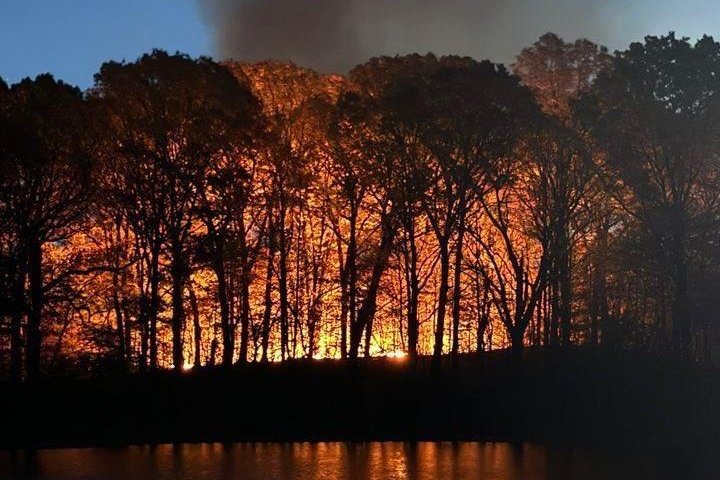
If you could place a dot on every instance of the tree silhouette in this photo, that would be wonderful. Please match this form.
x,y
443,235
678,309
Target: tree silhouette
x,y
185,212
45,186
653,113
172,118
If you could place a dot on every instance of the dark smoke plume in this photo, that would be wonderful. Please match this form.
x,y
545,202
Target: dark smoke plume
x,y
334,35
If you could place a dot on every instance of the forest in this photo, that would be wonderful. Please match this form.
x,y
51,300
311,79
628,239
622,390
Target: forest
x,y
184,213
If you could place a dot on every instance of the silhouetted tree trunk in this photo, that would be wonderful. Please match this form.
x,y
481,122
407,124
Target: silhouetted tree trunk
x,y
457,284
245,279
268,295
244,317
554,300
517,340
313,318
564,280
367,310
599,313
442,299
681,322
178,275
154,306
143,318
119,320
344,299
482,305
283,282
368,335
18,309
197,328
351,266
123,354
228,329
413,293
34,334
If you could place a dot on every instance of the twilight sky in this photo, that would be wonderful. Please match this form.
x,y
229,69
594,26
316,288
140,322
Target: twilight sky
x,y
71,38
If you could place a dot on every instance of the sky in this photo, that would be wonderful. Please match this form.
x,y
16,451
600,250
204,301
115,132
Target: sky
x,y
72,38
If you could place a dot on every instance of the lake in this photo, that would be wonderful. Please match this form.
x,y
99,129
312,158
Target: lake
x,y
337,460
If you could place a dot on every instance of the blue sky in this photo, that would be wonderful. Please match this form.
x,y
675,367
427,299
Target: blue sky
x,y
72,38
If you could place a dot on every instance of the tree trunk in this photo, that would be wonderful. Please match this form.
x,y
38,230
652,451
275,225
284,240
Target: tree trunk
x,y
119,323
343,310
565,286
351,268
368,336
680,310
681,323
245,279
226,326
554,309
369,304
154,306
268,302
177,273
599,304
413,298
313,317
457,274
144,324
16,346
18,308
283,287
517,339
244,317
34,334
482,306
442,299
213,351
122,351
197,328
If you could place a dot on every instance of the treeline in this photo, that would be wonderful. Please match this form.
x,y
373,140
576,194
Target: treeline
x,y
183,212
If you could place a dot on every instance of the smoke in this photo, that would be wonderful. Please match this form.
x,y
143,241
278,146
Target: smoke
x,y
335,35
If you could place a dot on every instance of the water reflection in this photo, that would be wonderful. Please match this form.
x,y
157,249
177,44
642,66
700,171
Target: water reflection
x,y
357,461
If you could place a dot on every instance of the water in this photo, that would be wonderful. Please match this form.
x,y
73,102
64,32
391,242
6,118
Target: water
x,y
354,461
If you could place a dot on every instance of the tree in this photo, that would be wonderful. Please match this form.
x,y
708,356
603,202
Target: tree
x,y
396,161
654,113
172,118
474,115
224,195
296,104
557,72
358,127
513,253
45,185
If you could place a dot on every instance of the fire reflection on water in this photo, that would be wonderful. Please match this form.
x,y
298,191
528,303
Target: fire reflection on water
x,y
335,460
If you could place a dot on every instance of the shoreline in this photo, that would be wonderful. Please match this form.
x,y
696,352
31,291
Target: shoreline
x,y
575,398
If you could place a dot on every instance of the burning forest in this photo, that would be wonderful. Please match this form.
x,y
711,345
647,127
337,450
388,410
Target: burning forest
x,y
183,213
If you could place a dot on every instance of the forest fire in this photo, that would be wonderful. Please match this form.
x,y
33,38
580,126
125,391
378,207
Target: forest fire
x,y
418,206
425,265
396,355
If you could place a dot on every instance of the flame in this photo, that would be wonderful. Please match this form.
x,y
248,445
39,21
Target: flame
x,y
394,355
